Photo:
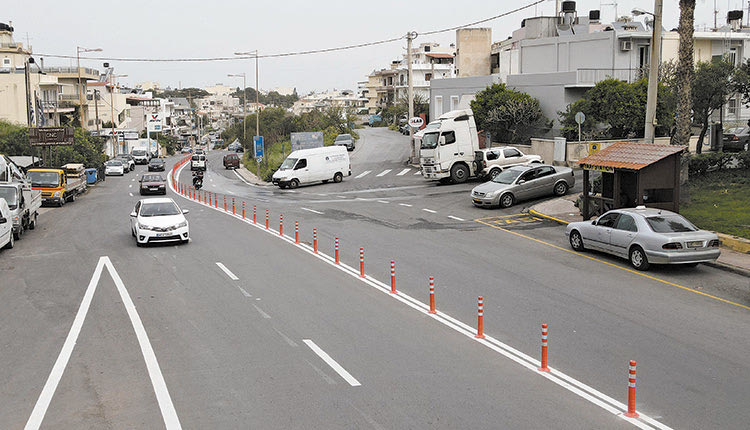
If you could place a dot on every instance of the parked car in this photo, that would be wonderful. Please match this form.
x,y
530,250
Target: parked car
x,y
522,183
239,149
345,140
156,164
645,236
152,184
186,150
158,220
128,161
114,167
736,139
404,129
7,240
231,161
492,161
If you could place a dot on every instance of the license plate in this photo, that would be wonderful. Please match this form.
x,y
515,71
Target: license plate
x,y
163,234
477,201
695,244
154,188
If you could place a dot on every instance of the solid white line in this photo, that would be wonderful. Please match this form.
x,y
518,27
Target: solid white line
x,y
382,201
131,194
244,293
405,204
331,362
403,172
265,315
384,172
430,211
312,210
363,174
229,273
456,218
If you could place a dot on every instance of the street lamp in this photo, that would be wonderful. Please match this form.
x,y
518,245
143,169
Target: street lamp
x,y
257,103
80,88
244,102
653,70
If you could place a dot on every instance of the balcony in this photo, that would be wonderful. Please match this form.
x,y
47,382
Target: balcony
x,y
589,77
72,72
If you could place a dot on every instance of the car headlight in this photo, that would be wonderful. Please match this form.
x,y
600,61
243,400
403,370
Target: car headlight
x,y
182,224
144,227
56,194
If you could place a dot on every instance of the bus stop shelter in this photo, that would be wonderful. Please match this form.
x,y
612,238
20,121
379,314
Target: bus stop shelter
x,y
633,174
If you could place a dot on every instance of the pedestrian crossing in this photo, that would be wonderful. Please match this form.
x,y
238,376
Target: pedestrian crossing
x,y
389,171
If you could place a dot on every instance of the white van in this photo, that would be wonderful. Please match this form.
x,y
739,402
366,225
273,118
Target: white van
x,y
6,226
198,162
306,166
140,155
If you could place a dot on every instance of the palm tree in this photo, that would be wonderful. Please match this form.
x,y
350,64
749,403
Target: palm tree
x,y
684,73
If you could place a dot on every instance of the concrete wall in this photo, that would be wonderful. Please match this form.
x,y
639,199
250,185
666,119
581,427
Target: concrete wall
x,y
473,46
549,89
461,90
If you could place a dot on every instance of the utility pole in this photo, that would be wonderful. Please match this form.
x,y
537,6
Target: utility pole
x,y
409,37
96,109
115,146
653,74
27,78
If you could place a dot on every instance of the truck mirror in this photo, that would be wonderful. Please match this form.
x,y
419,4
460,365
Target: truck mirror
x,y
3,220
132,214
441,140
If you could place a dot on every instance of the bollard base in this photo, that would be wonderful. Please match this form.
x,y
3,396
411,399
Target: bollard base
x,y
631,415
479,336
543,369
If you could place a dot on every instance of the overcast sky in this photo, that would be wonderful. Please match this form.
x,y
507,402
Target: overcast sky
x,y
218,28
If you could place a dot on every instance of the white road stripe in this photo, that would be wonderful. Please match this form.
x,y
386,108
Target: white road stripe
x,y
417,172
403,172
130,186
227,271
456,218
405,204
430,211
171,421
312,210
244,293
382,201
363,174
384,172
331,362
260,311
131,194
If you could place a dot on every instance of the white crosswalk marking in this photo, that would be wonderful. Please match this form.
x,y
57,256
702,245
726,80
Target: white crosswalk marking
x,y
363,174
384,172
417,172
403,172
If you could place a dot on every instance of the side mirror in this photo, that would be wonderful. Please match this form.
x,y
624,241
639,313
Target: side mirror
x,y
3,220
441,140
593,222
186,211
132,214
521,181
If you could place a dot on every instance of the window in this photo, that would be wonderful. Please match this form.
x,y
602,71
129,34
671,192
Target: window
x,y
733,107
6,62
608,220
643,56
627,223
427,48
301,164
438,106
427,77
454,102
732,56
450,137
545,171
529,175
511,153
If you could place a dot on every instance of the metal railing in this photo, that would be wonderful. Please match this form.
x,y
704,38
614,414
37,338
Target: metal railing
x,y
594,76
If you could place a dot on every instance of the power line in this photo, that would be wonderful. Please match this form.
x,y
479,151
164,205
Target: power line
x,y
291,54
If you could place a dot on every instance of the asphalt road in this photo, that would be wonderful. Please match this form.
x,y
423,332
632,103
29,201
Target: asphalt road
x,y
235,347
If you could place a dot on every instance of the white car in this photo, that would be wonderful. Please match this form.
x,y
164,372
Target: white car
x,y
158,220
114,167
6,226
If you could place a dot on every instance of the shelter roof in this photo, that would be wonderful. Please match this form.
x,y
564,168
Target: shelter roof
x,y
629,155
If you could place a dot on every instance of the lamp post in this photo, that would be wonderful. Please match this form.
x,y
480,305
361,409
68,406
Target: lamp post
x,y
244,102
653,70
115,149
80,87
257,103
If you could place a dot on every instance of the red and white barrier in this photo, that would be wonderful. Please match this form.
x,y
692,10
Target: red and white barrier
x,y
253,214
233,206
281,224
544,367
432,295
362,262
393,277
296,232
631,413
266,219
336,251
480,317
315,240
243,209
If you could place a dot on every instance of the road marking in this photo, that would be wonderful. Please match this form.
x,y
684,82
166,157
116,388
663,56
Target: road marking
x,y
130,186
171,421
341,197
363,174
227,271
286,338
663,281
260,311
331,362
132,180
312,210
384,172
244,293
403,172
456,218
430,211
405,204
382,201
131,194
417,172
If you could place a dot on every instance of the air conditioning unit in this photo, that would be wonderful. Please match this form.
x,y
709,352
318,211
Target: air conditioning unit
x,y
626,45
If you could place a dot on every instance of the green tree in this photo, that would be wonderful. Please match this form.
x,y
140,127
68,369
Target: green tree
x,y
511,116
711,87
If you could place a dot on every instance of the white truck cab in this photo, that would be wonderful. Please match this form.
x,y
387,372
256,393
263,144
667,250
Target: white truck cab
x,y
447,153
6,226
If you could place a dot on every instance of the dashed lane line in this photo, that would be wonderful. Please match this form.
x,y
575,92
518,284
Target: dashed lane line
x,y
363,174
383,201
384,172
229,273
405,204
403,172
429,210
456,218
331,362
312,210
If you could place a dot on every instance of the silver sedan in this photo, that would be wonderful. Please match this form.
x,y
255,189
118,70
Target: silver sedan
x,y
645,236
522,183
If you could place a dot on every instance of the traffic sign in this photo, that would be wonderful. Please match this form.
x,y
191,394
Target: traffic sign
x,y
416,122
580,117
258,142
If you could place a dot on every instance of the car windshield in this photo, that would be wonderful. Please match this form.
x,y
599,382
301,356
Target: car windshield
x,y
114,163
670,224
139,152
507,176
156,161
44,179
430,140
288,164
152,178
343,137
159,209
9,194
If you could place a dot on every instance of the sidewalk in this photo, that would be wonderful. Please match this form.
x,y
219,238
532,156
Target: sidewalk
x,y
563,211
250,177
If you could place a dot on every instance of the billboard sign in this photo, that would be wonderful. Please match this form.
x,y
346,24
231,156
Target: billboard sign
x,y
51,136
307,140
154,122
258,143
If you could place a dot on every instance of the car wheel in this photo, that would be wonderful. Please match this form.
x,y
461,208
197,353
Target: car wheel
x,y
32,223
62,200
493,173
560,188
576,241
338,177
132,232
638,258
506,200
294,183
72,197
459,173
17,235
11,243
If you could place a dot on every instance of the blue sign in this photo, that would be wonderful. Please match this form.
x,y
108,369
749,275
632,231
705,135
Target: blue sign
x,y
258,141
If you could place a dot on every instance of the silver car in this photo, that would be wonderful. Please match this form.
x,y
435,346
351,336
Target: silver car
x,y
645,236
522,183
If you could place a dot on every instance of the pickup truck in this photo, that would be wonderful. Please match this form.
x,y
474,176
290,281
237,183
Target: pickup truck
x,y
23,203
58,186
493,160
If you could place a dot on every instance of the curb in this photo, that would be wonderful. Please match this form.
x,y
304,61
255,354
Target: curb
x,y
722,266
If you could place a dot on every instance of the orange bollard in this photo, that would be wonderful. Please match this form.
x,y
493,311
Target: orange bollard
x,y
631,391
253,214
393,277
243,209
233,206
480,325
281,224
296,232
315,240
225,202
361,262
210,203
266,219
432,295
216,201
336,251
544,367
